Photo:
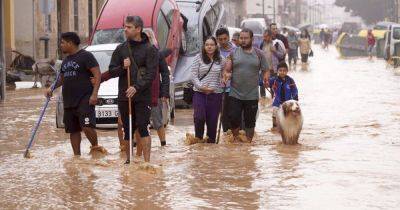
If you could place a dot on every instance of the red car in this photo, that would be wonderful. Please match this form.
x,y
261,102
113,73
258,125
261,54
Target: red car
x,y
161,19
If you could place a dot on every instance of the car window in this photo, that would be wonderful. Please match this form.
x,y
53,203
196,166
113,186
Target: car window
x,y
168,10
192,33
162,30
108,36
103,58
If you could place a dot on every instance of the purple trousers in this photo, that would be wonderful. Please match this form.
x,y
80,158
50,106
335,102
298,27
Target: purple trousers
x,y
206,110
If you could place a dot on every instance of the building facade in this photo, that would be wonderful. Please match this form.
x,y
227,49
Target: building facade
x,y
235,12
30,24
2,58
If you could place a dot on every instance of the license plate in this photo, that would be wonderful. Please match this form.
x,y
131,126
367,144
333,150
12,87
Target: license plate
x,y
106,113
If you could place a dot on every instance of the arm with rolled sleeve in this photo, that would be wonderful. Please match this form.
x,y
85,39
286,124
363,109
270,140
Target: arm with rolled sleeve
x,y
152,63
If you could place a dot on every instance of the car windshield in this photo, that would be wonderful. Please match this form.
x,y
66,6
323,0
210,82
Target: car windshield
x,y
108,36
254,26
192,33
116,35
103,58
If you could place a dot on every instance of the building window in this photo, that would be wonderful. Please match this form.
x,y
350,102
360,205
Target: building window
x,y
90,15
76,16
47,23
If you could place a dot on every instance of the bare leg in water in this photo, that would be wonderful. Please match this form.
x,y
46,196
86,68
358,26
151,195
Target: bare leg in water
x,y
76,142
139,147
161,135
146,145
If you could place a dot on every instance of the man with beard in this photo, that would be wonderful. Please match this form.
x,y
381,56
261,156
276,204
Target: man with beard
x,y
243,68
141,58
79,95
276,35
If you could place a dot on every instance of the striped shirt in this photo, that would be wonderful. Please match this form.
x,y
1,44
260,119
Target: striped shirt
x,y
212,79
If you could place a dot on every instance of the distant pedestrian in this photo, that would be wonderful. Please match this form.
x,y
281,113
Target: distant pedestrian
x,y
370,43
276,35
235,38
293,48
305,49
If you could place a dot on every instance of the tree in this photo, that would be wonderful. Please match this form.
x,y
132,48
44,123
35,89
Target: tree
x,y
371,11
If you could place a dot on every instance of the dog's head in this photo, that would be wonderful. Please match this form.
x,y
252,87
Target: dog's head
x,y
291,107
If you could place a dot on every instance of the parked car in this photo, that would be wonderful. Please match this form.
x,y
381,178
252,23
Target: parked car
x,y
161,18
202,19
258,26
392,44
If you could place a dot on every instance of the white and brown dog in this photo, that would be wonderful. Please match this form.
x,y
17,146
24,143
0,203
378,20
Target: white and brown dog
x,y
290,121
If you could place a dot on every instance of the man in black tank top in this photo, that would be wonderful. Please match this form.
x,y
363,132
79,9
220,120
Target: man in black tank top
x,y
79,94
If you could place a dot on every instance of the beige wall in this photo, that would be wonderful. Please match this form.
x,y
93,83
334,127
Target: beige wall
x,y
24,25
235,11
9,42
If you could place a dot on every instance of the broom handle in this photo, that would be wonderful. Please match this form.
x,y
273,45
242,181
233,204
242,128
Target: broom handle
x,y
35,128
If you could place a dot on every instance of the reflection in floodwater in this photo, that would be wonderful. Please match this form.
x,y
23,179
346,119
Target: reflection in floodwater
x,y
348,156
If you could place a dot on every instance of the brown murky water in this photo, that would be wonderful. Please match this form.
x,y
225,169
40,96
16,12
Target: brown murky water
x,y
349,156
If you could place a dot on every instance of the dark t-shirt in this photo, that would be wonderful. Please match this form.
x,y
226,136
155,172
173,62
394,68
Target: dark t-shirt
x,y
76,71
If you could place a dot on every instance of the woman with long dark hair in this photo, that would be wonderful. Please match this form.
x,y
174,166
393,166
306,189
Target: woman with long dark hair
x,y
207,98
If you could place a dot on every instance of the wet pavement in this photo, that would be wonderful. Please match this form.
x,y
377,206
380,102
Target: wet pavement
x,y
348,157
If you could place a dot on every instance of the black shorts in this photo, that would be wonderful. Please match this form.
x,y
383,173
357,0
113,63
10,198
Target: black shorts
x,y
141,112
304,58
83,115
249,109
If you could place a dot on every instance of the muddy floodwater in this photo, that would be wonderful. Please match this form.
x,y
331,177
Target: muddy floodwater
x,y
348,157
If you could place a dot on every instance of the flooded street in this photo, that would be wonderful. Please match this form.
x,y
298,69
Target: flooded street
x,y
348,157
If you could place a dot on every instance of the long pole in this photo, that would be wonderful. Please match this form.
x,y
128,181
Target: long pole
x,y
130,116
35,128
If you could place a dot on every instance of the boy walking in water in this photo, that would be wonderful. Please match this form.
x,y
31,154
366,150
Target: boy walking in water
x,y
284,88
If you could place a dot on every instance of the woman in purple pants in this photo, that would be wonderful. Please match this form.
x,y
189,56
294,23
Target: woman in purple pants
x,y
206,76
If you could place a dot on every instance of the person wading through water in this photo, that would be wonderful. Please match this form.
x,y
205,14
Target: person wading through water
x,y
242,68
141,58
79,95
226,48
207,97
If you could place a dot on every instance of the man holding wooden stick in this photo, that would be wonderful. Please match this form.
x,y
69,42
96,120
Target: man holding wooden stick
x,y
138,57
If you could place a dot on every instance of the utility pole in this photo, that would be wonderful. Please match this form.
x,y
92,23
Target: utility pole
x,y
263,8
2,55
274,4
